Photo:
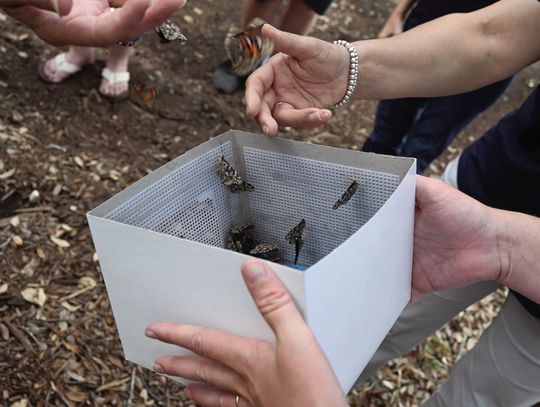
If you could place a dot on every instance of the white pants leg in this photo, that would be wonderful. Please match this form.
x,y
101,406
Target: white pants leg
x,y
420,320
502,370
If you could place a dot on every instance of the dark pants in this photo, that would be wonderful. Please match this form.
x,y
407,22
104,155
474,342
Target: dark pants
x,y
424,127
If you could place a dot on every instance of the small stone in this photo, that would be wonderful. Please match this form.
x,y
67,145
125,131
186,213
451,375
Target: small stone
x,y
34,196
78,160
17,240
4,332
41,254
15,221
60,242
17,117
57,189
20,403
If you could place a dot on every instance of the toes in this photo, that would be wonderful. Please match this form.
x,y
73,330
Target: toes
x,y
120,89
52,73
49,72
115,90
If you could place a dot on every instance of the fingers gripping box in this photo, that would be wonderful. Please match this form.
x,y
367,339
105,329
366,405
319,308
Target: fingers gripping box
x,y
161,243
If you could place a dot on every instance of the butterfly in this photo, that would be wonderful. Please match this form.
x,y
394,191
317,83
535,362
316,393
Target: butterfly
x,y
144,93
231,178
295,236
248,49
169,32
347,195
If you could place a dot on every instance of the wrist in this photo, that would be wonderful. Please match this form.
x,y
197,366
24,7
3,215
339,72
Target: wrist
x,y
502,244
351,72
517,243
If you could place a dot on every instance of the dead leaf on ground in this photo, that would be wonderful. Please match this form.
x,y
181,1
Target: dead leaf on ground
x,y
34,295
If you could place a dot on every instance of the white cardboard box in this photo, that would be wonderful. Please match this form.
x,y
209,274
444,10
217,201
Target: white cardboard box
x,y
160,243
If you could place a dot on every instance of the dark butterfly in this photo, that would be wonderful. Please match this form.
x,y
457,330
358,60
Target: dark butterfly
x,y
295,236
144,93
169,32
266,251
240,239
248,49
231,178
347,195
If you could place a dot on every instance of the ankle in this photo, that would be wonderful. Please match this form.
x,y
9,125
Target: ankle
x,y
79,55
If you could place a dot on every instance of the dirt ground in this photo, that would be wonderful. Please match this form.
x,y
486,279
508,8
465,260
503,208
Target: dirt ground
x,y
76,149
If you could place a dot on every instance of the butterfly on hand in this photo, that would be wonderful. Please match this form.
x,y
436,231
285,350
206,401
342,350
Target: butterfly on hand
x,y
248,49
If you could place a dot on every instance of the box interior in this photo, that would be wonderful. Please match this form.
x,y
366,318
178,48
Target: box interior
x,y
189,200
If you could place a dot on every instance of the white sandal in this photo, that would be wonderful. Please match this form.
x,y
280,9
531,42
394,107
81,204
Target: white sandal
x,y
59,64
114,78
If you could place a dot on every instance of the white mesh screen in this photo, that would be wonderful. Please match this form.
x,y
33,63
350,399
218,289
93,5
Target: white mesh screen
x,y
190,202
289,188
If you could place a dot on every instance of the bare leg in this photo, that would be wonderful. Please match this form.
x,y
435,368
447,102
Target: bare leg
x,y
117,63
299,18
55,72
266,10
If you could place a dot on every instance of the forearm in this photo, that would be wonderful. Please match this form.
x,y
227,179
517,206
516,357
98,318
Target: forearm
x,y
403,7
453,54
518,241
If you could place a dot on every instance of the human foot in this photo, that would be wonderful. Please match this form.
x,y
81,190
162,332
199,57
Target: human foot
x,y
115,82
62,66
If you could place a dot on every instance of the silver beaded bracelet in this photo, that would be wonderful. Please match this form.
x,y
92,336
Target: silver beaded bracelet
x,y
353,72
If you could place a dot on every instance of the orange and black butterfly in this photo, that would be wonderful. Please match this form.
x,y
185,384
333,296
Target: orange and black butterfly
x,y
248,49
144,93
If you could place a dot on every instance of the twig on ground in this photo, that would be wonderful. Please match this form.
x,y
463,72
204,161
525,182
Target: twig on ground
x,y
20,337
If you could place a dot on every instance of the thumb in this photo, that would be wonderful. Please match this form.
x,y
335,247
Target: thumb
x,y
297,46
272,298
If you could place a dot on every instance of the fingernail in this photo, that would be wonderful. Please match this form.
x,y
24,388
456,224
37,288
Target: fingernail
x,y
157,368
256,273
187,393
150,334
265,130
315,117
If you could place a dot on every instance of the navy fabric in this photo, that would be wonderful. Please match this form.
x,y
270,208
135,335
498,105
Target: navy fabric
x,y
424,127
318,6
502,169
427,10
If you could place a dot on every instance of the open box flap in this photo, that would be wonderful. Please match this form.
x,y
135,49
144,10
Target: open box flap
x,y
349,306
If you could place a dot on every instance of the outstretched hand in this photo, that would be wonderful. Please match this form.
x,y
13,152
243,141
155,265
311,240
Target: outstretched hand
x,y
292,372
299,84
90,22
